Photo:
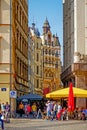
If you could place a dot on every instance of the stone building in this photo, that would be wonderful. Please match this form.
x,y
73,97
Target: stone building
x,y
13,48
31,62
51,60
75,45
47,61
36,63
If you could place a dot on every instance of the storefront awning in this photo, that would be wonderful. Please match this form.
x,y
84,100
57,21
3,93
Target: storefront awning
x,y
62,93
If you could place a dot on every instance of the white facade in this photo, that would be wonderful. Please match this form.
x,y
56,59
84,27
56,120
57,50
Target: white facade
x,y
75,31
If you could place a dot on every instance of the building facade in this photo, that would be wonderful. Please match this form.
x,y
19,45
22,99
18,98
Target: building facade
x,y
31,62
51,60
13,48
75,45
37,63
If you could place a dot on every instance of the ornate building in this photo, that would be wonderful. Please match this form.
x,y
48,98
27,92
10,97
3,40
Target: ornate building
x,y
37,60
75,45
51,60
13,48
31,62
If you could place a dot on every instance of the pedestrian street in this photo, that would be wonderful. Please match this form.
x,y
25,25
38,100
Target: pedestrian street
x,y
39,124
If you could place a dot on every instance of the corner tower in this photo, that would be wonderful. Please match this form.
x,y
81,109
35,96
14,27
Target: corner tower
x,y
51,60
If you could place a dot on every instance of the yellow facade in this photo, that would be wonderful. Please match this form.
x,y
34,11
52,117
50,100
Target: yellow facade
x,y
38,65
20,46
51,60
13,48
4,51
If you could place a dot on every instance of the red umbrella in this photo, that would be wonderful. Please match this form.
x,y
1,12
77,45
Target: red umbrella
x,y
71,98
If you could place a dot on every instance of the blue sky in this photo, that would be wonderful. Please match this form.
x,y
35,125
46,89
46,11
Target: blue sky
x,y
52,9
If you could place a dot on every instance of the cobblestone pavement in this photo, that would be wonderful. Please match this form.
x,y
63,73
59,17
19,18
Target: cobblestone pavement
x,y
39,124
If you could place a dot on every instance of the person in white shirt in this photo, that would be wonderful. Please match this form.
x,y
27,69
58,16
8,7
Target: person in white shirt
x,y
48,109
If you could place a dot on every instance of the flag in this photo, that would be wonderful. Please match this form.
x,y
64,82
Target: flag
x,y
46,90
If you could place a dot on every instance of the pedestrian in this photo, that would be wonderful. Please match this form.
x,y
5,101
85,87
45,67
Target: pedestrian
x,y
3,108
7,112
48,109
1,120
55,107
59,109
28,110
39,113
21,109
34,110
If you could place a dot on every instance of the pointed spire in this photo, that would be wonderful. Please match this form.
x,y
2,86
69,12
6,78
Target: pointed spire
x,y
46,23
46,26
57,43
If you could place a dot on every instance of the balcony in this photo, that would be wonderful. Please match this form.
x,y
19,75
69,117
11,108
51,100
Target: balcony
x,y
79,67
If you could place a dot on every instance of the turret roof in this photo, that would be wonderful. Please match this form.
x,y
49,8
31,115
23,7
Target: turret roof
x,y
46,23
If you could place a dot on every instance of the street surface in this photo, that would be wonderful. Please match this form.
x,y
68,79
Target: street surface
x,y
40,124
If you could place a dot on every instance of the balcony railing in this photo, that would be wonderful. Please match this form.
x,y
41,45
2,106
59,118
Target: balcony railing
x,y
79,67
75,67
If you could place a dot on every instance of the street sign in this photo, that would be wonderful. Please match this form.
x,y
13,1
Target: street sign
x,y
3,89
13,94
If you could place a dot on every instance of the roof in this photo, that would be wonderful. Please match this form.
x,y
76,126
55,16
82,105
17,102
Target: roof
x,y
46,23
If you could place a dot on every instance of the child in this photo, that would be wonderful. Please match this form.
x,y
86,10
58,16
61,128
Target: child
x,y
1,121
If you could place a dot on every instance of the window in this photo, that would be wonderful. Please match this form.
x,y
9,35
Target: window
x,y
46,60
49,52
37,69
37,46
37,83
20,41
46,51
20,14
56,65
17,65
37,57
0,49
20,67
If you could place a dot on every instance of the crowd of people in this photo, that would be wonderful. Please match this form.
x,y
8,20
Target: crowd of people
x,y
50,110
54,110
28,109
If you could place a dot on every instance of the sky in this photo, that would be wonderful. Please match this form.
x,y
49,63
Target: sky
x,y
52,9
